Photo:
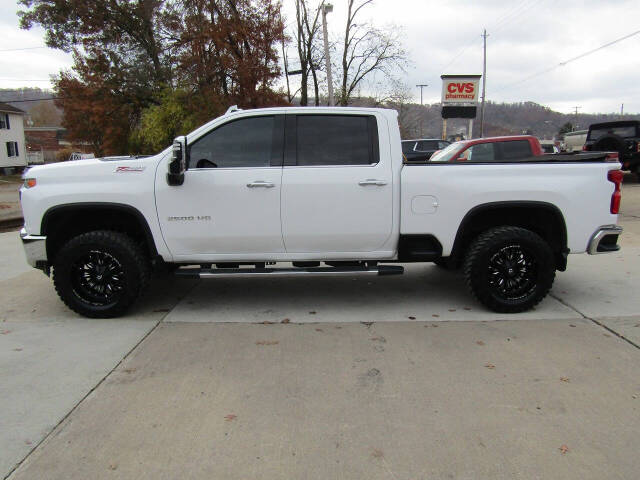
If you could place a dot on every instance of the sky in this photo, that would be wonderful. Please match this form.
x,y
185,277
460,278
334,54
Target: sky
x,y
526,38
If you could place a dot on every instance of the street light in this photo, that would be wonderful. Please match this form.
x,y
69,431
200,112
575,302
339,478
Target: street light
x,y
327,8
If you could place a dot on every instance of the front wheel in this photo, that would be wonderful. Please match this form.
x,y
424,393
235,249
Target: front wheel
x,y
100,274
509,269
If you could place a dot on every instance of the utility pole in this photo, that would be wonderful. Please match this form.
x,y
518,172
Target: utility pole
x,y
575,112
622,110
484,80
421,86
327,8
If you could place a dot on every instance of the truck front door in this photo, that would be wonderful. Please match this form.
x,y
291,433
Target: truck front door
x,y
230,200
337,186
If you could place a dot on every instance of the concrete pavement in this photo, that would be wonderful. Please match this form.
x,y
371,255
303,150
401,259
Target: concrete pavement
x,y
410,396
463,400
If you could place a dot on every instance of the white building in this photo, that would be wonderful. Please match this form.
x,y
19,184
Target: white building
x,y
12,149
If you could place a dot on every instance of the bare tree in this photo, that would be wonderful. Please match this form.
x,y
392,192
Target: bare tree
x,y
309,53
367,51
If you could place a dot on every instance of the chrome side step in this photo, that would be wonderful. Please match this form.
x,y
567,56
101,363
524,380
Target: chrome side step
x,y
270,272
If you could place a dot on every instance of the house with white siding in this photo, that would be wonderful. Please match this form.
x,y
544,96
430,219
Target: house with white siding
x,y
12,150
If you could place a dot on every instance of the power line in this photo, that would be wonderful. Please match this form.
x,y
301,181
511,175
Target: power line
x,y
18,100
475,42
17,49
566,62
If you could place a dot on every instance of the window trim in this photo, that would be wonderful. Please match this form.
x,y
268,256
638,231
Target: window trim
x,y
291,139
277,145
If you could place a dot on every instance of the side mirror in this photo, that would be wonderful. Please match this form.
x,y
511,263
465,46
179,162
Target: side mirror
x,y
178,163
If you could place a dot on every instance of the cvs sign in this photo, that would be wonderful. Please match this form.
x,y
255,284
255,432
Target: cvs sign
x,y
460,89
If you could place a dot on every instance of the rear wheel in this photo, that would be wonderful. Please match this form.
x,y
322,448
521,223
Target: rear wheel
x,y
509,269
100,274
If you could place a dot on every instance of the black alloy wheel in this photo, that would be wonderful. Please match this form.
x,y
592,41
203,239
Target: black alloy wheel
x,y
100,274
509,269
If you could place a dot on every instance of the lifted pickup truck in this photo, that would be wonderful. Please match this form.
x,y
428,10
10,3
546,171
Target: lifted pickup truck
x,y
311,185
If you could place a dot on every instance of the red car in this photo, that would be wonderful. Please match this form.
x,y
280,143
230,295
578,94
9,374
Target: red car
x,y
492,149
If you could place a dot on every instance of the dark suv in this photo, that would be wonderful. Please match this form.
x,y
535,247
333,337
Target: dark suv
x,y
622,137
422,149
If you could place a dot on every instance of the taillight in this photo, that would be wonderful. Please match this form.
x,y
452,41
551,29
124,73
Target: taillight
x,y
615,176
584,148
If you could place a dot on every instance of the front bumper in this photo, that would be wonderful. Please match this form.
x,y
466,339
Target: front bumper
x,y
35,248
604,240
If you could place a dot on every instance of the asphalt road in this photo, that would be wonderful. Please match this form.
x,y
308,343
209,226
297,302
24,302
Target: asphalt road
x,y
394,377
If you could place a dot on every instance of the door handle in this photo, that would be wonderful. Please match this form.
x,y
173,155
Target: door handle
x,y
260,183
372,181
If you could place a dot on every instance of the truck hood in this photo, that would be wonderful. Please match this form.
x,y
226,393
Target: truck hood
x,y
87,168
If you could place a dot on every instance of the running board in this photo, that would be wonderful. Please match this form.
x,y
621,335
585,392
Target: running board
x,y
271,272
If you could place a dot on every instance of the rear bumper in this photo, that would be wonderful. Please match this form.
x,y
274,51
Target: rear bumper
x,y
35,249
604,240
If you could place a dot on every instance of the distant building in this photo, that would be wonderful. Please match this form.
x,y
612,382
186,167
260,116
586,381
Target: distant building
x,y
12,145
46,142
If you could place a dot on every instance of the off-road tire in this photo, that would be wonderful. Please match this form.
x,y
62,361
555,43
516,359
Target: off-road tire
x,y
129,257
483,270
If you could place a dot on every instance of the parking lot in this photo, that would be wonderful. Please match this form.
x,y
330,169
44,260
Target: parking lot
x,y
394,377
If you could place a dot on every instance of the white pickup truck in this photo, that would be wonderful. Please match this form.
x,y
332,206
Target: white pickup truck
x,y
311,185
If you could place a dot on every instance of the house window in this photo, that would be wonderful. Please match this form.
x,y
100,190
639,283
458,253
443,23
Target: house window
x,y
4,121
12,149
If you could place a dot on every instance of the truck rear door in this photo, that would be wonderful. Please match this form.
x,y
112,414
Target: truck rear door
x,y
337,186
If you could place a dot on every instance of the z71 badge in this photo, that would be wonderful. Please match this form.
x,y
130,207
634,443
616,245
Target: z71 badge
x,y
129,169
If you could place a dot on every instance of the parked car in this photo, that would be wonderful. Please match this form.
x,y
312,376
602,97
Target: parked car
x,y
574,141
622,137
312,185
491,149
80,156
549,146
422,149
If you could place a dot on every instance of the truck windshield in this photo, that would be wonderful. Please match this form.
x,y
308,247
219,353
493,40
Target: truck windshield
x,y
626,131
447,154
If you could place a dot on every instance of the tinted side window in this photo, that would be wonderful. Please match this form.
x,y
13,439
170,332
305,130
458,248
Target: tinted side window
x,y
335,140
482,152
246,142
427,145
516,149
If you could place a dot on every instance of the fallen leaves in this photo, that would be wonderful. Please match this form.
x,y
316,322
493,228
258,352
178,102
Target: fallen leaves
x,y
380,339
267,342
312,312
230,418
129,370
5,332
480,342
377,453
564,379
286,320
435,315
319,330
563,449
490,366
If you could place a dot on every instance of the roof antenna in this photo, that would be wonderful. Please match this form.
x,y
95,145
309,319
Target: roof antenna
x,y
231,109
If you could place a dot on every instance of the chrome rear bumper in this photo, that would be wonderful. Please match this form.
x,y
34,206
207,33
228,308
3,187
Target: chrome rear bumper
x,y
35,249
604,240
